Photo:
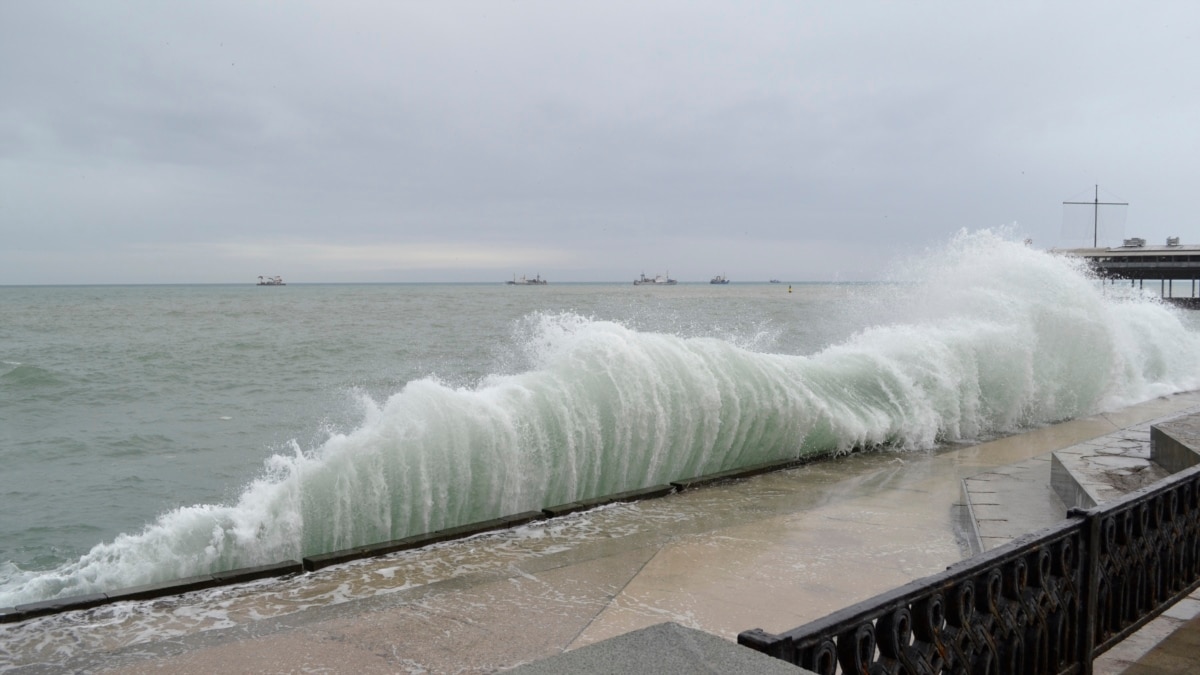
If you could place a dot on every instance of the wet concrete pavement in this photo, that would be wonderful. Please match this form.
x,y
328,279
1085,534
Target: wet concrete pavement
x,y
773,552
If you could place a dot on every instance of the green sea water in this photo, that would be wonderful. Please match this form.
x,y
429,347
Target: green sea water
x,y
156,432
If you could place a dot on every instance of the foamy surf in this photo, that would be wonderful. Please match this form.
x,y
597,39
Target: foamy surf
x,y
989,337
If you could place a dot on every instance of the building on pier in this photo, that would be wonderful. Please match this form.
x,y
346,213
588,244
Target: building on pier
x,y
1139,262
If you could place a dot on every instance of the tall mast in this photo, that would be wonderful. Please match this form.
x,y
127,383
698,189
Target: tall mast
x,y
1096,204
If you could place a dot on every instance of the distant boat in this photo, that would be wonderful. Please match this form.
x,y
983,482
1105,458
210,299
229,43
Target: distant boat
x,y
776,281
525,281
719,279
660,280
271,281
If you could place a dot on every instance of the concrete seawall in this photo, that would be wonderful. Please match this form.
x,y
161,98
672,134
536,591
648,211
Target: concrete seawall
x,y
320,561
149,591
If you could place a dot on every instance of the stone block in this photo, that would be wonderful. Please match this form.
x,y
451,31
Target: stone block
x,y
57,605
733,474
519,519
564,509
1175,444
628,496
316,562
652,492
245,574
1069,487
164,588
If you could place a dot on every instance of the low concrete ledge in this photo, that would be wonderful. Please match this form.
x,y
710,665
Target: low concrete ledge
x,y
1175,445
519,519
563,509
462,531
149,591
652,492
744,472
239,576
315,562
57,605
630,496
164,588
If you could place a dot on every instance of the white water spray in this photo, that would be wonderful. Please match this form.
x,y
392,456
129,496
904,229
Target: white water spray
x,y
995,337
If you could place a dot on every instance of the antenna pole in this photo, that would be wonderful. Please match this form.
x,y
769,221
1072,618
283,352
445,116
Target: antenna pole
x,y
1096,204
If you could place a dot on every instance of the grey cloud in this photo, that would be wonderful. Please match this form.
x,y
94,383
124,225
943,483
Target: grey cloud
x,y
663,130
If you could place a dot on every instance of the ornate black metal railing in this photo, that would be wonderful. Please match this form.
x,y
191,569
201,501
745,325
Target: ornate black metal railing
x,y
1049,602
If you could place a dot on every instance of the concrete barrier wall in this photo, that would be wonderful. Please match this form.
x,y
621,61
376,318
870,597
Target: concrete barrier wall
x,y
149,591
316,562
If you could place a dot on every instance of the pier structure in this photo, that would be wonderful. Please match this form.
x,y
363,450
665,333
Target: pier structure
x,y
1138,262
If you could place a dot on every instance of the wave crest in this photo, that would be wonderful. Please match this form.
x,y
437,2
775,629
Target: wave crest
x,y
992,336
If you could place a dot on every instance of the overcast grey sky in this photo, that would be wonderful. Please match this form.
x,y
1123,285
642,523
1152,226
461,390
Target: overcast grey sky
x,y
172,142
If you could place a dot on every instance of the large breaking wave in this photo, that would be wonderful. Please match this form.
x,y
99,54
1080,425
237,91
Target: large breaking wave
x,y
992,337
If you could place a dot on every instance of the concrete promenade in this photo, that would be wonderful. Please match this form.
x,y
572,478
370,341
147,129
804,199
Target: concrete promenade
x,y
774,552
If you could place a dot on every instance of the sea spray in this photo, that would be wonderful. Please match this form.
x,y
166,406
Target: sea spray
x,y
990,336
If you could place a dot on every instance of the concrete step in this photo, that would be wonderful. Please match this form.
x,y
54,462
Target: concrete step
x,y
1091,473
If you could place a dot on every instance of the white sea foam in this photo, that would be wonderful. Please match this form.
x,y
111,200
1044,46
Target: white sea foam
x,y
992,336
